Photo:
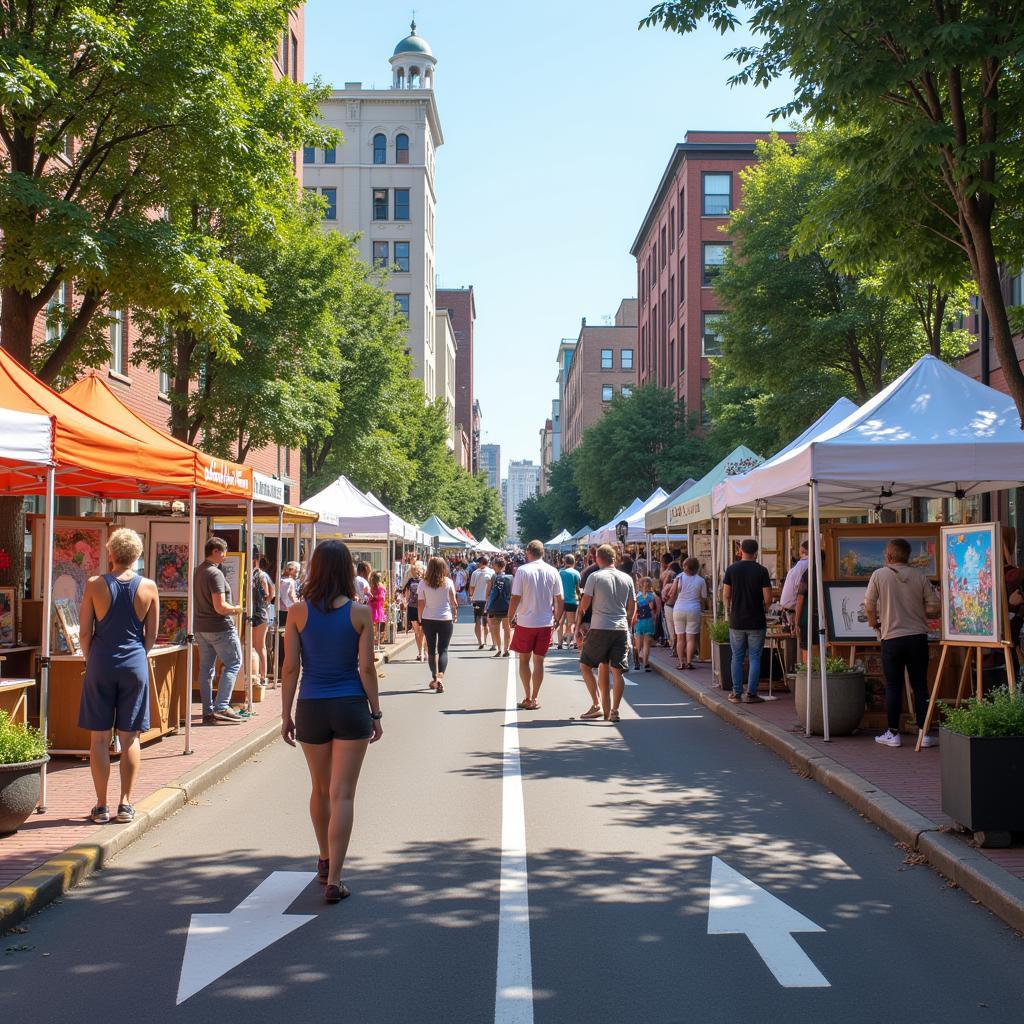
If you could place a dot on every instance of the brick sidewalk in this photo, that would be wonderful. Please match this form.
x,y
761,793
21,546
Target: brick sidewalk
x,y
909,777
70,795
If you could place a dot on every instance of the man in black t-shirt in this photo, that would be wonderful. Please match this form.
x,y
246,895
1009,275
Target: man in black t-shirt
x,y
747,592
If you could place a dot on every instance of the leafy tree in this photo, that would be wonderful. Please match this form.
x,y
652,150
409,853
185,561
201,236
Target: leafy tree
x,y
640,443
562,500
489,517
935,95
533,520
796,324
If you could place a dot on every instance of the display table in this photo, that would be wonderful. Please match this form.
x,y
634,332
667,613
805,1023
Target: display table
x,y
14,694
166,672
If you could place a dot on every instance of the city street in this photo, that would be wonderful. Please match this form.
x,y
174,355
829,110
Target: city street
x,y
674,871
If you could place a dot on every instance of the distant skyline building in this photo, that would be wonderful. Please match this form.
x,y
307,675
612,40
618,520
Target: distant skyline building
x,y
523,483
461,306
490,463
547,445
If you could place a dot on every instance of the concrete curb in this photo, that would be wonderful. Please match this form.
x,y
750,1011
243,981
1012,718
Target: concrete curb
x,y
57,875
993,886
398,648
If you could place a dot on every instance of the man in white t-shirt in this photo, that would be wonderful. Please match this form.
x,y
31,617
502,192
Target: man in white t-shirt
x,y
482,575
535,610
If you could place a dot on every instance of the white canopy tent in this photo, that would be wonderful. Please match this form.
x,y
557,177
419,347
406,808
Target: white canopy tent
x,y
435,528
933,433
637,525
559,538
26,438
606,534
408,532
487,548
347,512
694,505
656,519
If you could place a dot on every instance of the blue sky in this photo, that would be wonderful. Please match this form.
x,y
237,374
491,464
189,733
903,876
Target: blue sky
x,y
559,119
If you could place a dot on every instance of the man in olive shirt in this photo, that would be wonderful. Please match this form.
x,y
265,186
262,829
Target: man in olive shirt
x,y
216,634
898,603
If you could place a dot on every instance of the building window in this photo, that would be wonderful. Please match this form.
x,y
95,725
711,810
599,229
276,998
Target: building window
x,y
55,313
682,348
309,154
671,298
643,284
402,256
1017,289
380,254
380,203
664,249
714,260
717,199
671,230
163,376
627,391
682,280
401,204
402,304
118,342
330,156
711,331
331,197
380,148
626,359
607,391
607,359
682,209
284,51
401,149
295,59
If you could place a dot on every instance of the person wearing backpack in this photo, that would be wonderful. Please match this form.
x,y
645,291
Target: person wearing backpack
x,y
499,594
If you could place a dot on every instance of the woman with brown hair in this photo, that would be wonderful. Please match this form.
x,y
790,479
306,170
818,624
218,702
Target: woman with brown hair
x,y
438,608
330,637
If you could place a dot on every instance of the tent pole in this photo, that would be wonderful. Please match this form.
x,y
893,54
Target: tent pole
x,y
277,597
811,583
247,605
190,616
714,574
44,659
819,574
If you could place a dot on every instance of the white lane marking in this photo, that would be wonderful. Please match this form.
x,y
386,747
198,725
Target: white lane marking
x,y
218,943
740,907
513,996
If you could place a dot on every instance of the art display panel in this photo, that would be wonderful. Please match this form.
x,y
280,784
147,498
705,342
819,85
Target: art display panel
x,y
972,592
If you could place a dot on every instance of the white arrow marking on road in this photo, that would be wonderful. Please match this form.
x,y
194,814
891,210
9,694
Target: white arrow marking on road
x,y
217,943
739,907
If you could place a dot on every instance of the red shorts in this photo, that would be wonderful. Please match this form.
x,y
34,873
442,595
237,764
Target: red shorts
x,y
531,640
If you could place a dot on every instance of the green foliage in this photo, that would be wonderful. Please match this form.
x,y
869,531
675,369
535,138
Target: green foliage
x,y
19,743
489,519
1000,714
833,666
534,523
562,500
642,442
720,631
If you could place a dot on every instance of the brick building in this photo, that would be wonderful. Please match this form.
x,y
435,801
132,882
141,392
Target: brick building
x,y
461,306
678,251
600,367
145,391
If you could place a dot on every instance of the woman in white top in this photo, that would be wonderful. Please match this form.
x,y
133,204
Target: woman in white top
x,y
438,609
691,592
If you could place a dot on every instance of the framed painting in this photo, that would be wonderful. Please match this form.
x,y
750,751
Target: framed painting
x,y
69,627
859,552
7,624
168,557
79,551
972,591
172,625
844,609
700,548
233,568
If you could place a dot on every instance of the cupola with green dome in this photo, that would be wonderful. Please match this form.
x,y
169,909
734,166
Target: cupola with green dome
x,y
413,63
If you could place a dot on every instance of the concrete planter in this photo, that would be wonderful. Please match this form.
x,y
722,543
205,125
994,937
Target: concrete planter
x,y
721,663
19,793
977,786
847,696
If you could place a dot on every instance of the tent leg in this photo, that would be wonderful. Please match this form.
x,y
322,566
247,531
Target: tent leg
x,y
44,659
820,595
277,596
714,574
190,631
247,607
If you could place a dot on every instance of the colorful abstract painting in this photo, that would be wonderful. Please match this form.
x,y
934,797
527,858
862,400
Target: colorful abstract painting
x,y
79,551
172,625
971,593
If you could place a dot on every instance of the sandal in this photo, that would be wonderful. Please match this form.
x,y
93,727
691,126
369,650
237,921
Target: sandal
x,y
440,687
525,705
594,712
322,866
336,893
614,716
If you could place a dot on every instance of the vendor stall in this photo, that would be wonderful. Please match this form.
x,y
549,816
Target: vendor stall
x,y
443,536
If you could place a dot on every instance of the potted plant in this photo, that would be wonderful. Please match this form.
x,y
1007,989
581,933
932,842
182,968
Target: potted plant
x,y
847,696
721,652
22,754
981,755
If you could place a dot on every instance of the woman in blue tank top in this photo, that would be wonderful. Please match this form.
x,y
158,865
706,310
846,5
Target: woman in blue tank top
x,y
329,637
118,620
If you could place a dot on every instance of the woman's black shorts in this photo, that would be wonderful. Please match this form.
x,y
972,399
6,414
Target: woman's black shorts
x,y
322,719
413,614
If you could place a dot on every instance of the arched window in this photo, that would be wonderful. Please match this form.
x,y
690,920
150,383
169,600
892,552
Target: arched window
x,y
380,149
414,78
402,149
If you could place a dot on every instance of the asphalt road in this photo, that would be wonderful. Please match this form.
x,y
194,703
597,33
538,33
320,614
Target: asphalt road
x,y
623,824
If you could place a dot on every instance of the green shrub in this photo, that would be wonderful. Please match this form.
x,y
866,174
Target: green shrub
x,y
832,665
1001,714
720,632
19,743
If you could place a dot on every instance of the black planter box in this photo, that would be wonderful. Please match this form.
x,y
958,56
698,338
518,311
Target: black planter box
x,y
980,776
725,665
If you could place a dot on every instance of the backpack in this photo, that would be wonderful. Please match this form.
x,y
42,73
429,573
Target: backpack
x,y
500,594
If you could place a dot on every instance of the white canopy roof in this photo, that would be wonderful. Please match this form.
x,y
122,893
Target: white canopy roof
x,y
933,433
725,494
402,527
559,538
351,512
26,438
446,537
656,519
694,505
606,534
487,547
637,527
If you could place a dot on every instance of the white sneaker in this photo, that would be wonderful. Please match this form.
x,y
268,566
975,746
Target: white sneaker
x,y
929,741
889,739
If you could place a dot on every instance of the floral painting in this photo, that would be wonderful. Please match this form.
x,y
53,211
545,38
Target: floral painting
x,y
971,593
79,551
172,625
859,556
168,563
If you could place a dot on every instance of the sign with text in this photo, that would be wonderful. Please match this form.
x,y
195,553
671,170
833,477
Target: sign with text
x,y
267,488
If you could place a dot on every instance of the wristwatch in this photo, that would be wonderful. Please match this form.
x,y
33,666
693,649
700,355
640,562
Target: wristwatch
x,y
376,715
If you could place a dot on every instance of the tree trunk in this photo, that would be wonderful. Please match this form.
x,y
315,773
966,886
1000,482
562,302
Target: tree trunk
x,y
179,385
12,543
17,318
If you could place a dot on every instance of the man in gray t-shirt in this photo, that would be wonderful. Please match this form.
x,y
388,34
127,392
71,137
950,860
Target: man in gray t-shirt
x,y
215,634
611,598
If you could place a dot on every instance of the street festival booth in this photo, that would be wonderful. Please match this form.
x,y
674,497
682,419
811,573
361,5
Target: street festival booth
x,y
579,538
90,459
556,542
606,534
441,535
171,548
487,548
932,433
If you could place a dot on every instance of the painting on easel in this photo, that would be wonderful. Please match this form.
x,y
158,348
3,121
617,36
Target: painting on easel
x,y
972,593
